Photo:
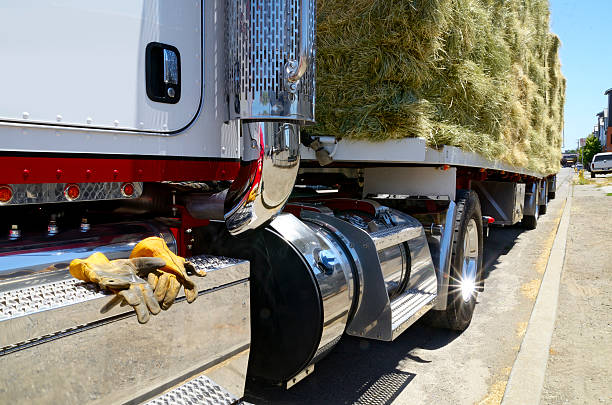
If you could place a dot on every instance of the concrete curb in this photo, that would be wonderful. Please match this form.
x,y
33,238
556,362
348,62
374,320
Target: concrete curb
x,y
527,376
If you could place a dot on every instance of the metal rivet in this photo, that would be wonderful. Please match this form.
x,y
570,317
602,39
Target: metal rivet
x,y
25,115
88,172
115,172
59,173
171,92
89,120
58,118
223,149
116,122
26,173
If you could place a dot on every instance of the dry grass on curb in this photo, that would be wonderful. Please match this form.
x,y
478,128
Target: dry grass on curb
x,y
483,75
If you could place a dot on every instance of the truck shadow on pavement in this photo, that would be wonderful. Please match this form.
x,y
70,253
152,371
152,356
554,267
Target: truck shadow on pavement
x,y
500,242
360,371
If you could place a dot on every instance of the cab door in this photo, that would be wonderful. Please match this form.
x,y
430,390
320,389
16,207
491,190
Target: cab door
x,y
119,65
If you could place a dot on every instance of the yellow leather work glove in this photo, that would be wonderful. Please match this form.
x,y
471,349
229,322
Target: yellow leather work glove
x,y
167,280
122,278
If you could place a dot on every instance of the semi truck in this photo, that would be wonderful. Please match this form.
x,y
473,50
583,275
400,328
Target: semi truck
x,y
183,119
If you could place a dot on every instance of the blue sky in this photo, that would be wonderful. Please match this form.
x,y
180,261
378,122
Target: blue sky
x,y
585,29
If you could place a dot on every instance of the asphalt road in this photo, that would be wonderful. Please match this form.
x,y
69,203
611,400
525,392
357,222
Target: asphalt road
x,y
426,365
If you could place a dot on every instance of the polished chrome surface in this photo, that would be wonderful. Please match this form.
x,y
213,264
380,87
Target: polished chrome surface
x,y
470,261
120,359
326,219
372,310
395,268
270,61
295,69
54,192
378,316
389,232
271,161
40,254
334,278
552,184
170,67
444,253
543,194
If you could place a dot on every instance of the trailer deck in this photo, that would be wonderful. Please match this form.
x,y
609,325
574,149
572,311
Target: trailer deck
x,y
409,151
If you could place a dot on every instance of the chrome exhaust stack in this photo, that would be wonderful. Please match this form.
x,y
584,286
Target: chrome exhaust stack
x,y
271,94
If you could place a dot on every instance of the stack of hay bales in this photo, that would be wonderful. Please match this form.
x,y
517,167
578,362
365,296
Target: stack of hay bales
x,y
483,75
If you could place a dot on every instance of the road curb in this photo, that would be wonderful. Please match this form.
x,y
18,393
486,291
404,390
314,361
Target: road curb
x,y
527,376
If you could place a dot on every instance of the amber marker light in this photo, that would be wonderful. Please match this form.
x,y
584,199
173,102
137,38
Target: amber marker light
x,y
127,189
6,194
72,192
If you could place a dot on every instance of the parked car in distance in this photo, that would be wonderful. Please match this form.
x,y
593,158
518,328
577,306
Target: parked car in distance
x,y
601,164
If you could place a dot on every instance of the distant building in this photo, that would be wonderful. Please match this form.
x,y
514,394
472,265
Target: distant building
x,y
600,129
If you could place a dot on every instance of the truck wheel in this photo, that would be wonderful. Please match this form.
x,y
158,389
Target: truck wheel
x,y
530,222
592,175
466,274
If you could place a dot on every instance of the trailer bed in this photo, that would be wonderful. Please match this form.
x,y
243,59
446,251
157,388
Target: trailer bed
x,y
409,151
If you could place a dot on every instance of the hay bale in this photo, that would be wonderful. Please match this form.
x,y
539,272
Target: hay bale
x,y
483,75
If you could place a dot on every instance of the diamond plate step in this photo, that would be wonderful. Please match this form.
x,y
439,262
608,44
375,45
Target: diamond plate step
x,y
201,390
395,235
411,305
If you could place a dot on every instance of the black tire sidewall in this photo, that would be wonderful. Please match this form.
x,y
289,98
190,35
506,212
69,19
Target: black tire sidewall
x,y
460,311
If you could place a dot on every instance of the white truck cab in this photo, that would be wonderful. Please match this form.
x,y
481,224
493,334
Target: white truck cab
x,y
601,164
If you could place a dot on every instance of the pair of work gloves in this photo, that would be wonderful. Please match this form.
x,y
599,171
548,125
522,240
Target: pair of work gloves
x,y
150,260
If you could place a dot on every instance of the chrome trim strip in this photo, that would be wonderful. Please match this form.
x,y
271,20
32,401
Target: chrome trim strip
x,y
36,255
41,193
444,263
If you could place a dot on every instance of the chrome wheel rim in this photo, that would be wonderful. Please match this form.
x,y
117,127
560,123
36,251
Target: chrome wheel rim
x,y
470,261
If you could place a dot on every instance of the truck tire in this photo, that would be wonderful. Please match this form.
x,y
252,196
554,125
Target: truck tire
x,y
530,222
592,174
466,273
